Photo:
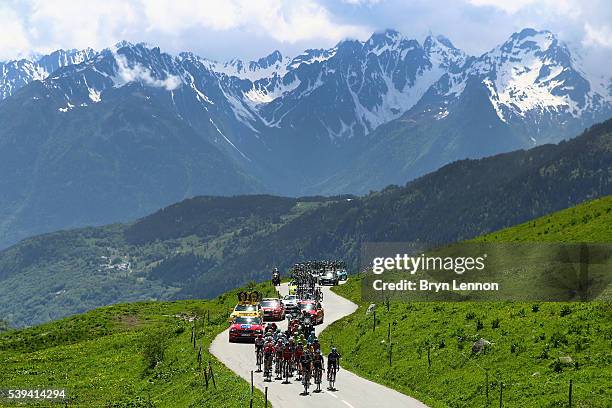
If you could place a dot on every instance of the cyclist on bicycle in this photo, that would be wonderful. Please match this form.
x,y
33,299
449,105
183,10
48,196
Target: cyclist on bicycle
x,y
268,358
333,359
306,365
278,349
259,344
269,349
317,364
287,356
297,356
318,360
311,337
315,345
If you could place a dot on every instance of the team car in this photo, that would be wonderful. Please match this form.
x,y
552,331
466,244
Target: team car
x,y
329,278
314,309
273,309
247,310
292,288
245,328
291,303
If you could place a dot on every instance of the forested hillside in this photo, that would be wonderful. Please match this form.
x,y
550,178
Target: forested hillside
x,y
204,246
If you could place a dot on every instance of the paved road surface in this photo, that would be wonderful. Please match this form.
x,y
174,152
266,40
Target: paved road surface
x,y
352,390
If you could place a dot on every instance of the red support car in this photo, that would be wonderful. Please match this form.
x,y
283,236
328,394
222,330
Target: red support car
x,y
315,309
273,309
245,328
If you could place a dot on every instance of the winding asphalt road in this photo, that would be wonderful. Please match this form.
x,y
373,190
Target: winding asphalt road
x,y
352,390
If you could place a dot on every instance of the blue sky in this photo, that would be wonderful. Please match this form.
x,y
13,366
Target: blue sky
x,y
251,28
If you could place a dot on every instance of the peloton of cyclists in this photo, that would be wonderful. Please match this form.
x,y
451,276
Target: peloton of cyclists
x,y
297,349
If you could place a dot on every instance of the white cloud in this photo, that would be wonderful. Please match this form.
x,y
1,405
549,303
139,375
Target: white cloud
x,y
597,36
127,74
42,26
514,6
224,29
81,24
362,2
285,21
13,38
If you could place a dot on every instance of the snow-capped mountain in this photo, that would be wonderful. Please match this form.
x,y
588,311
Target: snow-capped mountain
x,y
17,73
368,83
153,127
534,84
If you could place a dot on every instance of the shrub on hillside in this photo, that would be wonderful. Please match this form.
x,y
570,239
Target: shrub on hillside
x,y
154,347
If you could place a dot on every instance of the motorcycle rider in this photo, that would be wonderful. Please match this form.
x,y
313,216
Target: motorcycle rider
x,y
275,277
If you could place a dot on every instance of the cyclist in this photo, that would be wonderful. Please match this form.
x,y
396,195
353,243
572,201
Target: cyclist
x,y
333,365
259,345
311,337
268,357
271,327
306,364
297,357
278,351
287,356
317,364
315,345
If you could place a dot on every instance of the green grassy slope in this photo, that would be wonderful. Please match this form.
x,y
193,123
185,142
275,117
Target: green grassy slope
x,y
530,340
587,222
99,356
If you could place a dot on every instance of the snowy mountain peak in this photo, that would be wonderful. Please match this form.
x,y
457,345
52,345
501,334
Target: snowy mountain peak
x,y
530,78
442,52
388,36
272,59
18,73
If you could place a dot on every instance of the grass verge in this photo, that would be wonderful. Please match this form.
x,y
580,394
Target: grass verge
x,y
128,355
537,348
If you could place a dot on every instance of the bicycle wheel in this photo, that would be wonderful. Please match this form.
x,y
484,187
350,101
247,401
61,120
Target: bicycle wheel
x,y
306,382
331,376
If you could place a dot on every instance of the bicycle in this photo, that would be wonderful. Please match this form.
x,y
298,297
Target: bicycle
x,y
299,371
268,368
306,380
331,377
259,359
318,373
278,368
286,368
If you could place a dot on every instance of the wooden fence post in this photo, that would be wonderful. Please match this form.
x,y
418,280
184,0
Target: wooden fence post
x,y
212,375
374,321
487,385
